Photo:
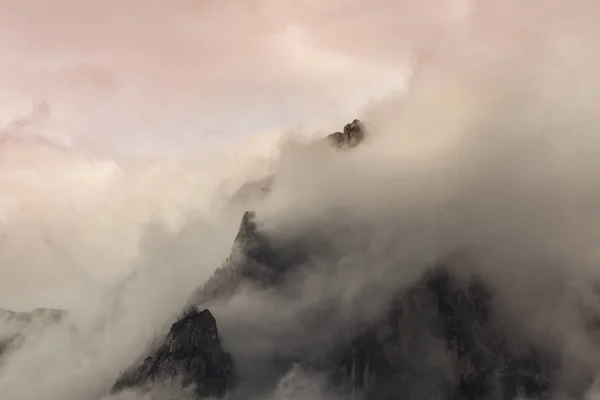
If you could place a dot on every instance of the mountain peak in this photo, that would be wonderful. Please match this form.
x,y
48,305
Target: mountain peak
x,y
352,135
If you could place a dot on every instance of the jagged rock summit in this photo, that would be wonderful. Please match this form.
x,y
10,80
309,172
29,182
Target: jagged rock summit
x,y
353,134
191,352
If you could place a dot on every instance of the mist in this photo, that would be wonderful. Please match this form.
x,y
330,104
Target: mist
x,y
482,138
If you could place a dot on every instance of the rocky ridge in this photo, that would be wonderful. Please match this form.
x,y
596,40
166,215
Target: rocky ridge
x,y
440,339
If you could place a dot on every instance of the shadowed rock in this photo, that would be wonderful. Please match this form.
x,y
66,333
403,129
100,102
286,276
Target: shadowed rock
x,y
249,261
42,315
441,341
4,345
192,355
353,134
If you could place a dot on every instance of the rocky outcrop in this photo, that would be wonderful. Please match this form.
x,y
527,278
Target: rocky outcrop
x,y
352,135
191,354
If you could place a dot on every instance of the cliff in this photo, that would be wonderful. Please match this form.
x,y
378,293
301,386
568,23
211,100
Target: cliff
x,y
191,352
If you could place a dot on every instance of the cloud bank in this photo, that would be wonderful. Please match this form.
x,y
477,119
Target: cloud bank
x,y
491,147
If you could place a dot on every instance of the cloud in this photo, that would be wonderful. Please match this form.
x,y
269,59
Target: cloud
x,y
167,70
492,147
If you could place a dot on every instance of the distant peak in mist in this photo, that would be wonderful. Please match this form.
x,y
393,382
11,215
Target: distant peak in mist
x,y
353,134
37,128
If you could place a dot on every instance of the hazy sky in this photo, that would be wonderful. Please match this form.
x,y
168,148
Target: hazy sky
x,y
142,74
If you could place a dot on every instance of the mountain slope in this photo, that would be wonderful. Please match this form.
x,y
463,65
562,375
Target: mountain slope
x,y
441,337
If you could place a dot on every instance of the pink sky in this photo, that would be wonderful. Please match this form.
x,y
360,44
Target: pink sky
x,y
164,71
142,74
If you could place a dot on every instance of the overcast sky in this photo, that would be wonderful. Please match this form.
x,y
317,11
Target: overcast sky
x,y
146,74
168,74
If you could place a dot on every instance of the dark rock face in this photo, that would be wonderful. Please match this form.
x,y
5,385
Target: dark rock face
x,y
15,325
191,353
255,260
440,341
353,134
